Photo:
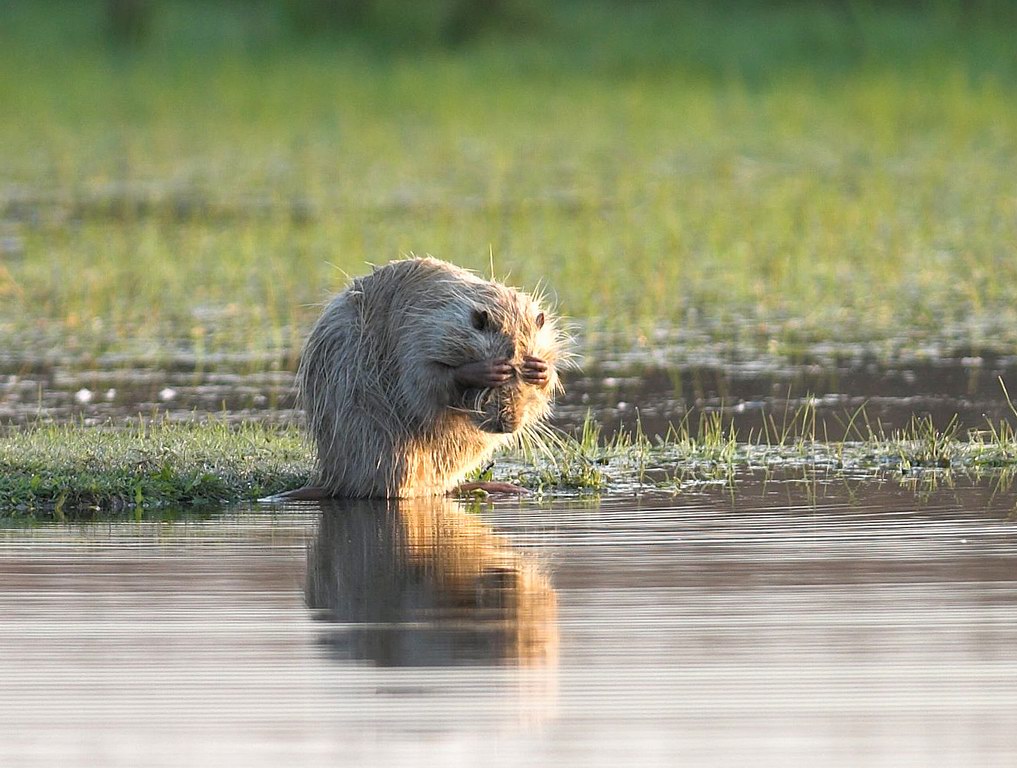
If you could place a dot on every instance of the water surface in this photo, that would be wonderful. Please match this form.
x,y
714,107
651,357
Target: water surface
x,y
852,393
786,623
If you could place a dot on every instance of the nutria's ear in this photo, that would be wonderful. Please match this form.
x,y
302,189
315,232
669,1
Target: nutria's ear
x,y
540,320
479,319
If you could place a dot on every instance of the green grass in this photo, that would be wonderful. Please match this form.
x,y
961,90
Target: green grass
x,y
75,471
773,176
633,462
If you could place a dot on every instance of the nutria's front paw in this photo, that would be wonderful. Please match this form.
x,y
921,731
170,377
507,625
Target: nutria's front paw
x,y
484,374
535,371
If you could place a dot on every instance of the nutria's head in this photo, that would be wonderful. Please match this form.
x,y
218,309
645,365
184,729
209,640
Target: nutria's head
x,y
502,322
460,318
447,318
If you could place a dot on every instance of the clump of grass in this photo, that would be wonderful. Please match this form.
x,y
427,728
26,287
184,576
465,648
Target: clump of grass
x,y
715,453
554,462
922,445
69,471
994,447
923,448
628,461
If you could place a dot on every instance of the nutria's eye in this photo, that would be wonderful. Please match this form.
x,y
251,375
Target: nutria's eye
x,y
540,320
479,319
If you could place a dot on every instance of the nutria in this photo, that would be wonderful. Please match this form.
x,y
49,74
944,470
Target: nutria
x,y
415,373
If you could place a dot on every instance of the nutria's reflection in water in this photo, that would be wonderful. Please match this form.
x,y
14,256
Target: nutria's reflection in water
x,y
424,582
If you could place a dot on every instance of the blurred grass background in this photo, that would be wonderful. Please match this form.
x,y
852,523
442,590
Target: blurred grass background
x,y
196,176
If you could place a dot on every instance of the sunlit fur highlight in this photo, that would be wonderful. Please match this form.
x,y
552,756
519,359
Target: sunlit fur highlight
x,y
376,379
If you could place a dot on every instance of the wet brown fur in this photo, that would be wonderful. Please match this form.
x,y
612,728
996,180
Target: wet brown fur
x,y
377,379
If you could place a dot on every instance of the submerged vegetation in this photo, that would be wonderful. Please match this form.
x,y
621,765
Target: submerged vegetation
x,y
73,471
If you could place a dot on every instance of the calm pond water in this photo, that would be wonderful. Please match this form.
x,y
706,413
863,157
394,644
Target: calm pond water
x,y
789,623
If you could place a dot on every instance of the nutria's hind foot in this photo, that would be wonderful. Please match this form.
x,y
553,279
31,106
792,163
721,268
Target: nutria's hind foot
x,y
307,493
490,486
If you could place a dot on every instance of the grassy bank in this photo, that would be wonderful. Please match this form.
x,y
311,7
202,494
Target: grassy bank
x,y
775,174
75,472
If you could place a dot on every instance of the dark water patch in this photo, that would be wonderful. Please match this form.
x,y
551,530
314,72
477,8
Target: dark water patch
x,y
55,393
760,397
763,398
785,623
